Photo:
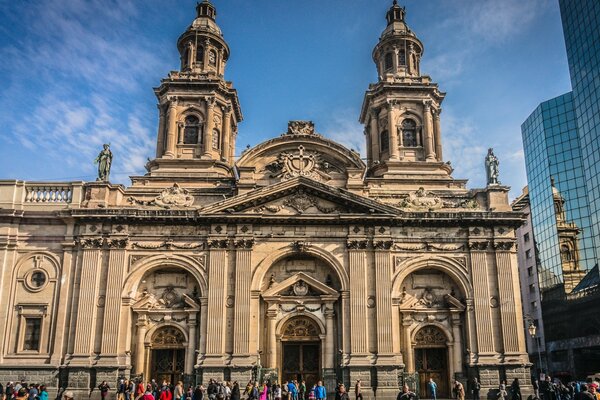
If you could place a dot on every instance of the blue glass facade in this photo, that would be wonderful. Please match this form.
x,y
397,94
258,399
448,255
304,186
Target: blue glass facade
x,y
581,25
552,149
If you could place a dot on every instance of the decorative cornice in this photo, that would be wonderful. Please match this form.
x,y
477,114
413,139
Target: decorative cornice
x,y
117,243
90,243
357,244
382,244
479,245
504,245
216,244
243,243
168,244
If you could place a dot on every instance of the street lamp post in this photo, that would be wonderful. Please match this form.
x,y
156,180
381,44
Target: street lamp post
x,y
532,330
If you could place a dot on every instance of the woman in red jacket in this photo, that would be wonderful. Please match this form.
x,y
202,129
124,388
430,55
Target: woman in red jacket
x,y
166,394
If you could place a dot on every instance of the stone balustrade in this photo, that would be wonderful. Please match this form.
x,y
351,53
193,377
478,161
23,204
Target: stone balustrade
x,y
54,193
19,195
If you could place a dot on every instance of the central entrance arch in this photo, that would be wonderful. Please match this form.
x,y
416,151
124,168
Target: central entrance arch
x,y
167,357
301,351
431,360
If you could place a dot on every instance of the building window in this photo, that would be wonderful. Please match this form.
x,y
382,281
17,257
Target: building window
x,y
534,305
191,130
565,253
526,237
33,328
384,141
388,62
530,271
216,140
532,288
200,54
186,57
38,278
528,253
402,57
409,133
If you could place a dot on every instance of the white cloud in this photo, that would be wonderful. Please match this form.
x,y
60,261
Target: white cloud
x,y
344,128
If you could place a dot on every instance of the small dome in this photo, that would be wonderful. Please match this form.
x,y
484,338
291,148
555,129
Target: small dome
x,y
206,25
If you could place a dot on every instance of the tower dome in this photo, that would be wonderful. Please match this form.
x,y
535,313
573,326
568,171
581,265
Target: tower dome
x,y
202,46
399,51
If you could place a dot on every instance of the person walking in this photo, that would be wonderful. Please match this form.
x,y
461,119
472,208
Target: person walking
x,y
502,393
432,389
103,388
459,391
343,393
406,394
475,388
43,393
515,389
358,390
264,392
235,391
320,392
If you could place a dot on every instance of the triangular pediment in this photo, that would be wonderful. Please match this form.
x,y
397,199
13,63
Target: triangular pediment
x,y
300,285
300,196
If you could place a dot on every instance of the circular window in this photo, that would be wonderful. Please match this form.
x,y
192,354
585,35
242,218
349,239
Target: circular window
x,y
36,280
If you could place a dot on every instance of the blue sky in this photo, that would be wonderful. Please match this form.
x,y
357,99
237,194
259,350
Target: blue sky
x,y
80,73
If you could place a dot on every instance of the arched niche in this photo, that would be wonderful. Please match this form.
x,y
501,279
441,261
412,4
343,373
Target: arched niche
x,y
308,264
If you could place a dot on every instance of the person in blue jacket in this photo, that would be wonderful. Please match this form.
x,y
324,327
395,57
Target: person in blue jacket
x,y
320,392
293,390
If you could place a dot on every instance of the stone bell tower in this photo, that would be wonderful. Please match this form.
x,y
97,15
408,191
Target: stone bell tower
x,y
198,109
401,112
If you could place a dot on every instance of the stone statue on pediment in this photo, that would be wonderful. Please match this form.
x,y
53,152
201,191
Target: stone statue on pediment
x,y
104,161
491,168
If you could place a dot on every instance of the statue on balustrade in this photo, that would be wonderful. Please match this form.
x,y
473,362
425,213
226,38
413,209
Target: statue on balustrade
x,y
491,168
104,161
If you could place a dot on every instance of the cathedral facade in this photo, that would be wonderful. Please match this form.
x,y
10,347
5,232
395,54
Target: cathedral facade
x,y
297,260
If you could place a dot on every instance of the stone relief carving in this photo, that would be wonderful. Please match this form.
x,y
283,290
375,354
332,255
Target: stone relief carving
x,y
168,244
301,128
430,335
174,196
301,328
480,245
301,163
422,200
357,244
300,202
504,246
300,246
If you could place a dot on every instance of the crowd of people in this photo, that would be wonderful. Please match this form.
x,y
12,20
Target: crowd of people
x,y
23,391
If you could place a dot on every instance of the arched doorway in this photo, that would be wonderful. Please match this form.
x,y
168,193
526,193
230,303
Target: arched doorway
x,y
431,360
301,351
167,356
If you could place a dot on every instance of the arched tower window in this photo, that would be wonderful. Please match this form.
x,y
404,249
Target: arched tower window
x,y
565,253
186,57
409,133
384,141
388,61
402,57
216,139
191,130
200,54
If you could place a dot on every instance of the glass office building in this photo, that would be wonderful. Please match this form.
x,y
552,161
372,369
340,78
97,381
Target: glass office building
x,y
553,152
581,26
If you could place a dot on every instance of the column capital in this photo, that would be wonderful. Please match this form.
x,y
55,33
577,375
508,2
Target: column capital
x,y
271,314
427,105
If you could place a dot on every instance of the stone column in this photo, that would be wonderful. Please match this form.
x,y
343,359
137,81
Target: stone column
x,y
383,296
329,340
226,133
272,339
217,293
513,335
232,140
203,325
369,148
172,132
393,132
88,290
483,316
458,365
243,278
437,133
112,305
206,51
210,125
160,141
359,341
409,355
374,134
428,125
396,318
140,350
192,342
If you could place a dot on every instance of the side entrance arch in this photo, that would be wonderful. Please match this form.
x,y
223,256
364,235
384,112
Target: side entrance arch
x,y
301,351
431,360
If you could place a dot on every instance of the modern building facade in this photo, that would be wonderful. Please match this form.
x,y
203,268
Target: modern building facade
x,y
561,140
581,26
297,260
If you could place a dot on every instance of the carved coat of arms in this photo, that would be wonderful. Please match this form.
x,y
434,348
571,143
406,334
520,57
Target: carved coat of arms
x,y
301,163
